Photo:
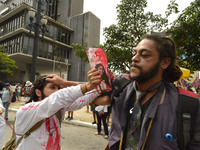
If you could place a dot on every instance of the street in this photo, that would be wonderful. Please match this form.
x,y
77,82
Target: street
x,y
72,137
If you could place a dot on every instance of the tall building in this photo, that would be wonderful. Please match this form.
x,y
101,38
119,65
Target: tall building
x,y
66,24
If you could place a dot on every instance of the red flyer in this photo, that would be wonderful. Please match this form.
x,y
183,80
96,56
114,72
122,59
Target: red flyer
x,y
97,58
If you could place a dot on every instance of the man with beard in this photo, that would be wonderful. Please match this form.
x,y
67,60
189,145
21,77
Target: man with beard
x,y
48,108
144,112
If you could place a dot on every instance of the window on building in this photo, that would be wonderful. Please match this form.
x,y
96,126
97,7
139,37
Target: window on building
x,y
50,51
30,45
25,45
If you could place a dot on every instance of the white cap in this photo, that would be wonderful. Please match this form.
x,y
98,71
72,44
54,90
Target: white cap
x,y
28,83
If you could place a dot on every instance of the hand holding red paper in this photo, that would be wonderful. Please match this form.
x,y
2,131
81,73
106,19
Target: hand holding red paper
x,y
98,60
95,79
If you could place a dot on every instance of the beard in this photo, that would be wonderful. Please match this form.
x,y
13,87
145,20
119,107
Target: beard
x,y
145,76
43,96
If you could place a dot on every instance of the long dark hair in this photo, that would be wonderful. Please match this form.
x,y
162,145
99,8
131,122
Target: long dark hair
x,y
166,48
103,76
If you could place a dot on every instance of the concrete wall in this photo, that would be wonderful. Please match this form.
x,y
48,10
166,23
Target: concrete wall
x,y
86,32
68,9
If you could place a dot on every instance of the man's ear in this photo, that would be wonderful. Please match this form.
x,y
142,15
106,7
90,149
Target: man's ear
x,y
165,63
38,92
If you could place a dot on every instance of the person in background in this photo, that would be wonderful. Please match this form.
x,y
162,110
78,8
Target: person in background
x,y
92,109
14,89
70,115
102,113
18,88
6,98
27,91
87,109
108,116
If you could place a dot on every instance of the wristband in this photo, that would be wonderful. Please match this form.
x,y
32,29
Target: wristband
x,y
85,88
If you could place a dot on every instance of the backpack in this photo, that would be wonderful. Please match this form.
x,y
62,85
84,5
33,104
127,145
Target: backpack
x,y
12,144
188,105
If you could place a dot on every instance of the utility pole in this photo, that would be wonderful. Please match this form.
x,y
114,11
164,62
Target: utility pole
x,y
36,41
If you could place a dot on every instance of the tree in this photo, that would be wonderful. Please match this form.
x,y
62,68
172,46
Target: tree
x,y
80,50
185,32
58,59
133,22
6,63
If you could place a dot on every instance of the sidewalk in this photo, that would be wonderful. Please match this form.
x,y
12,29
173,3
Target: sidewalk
x,y
80,117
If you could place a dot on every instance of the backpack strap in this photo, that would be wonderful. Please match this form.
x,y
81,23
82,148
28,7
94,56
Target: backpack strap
x,y
36,126
33,128
188,104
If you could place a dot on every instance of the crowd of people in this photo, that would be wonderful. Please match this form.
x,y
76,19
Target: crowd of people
x,y
147,109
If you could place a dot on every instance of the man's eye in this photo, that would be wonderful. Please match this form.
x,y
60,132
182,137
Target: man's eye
x,y
52,87
145,55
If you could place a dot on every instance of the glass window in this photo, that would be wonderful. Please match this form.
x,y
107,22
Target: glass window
x,y
30,46
22,20
55,33
50,51
45,49
25,45
17,22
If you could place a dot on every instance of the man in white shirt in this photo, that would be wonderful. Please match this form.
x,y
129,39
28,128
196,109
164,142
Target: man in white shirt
x,y
48,100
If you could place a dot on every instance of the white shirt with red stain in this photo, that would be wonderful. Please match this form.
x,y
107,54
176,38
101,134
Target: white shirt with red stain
x,y
2,123
47,136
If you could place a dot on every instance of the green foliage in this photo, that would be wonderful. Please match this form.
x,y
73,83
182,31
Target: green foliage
x,y
133,22
186,33
80,50
172,8
6,64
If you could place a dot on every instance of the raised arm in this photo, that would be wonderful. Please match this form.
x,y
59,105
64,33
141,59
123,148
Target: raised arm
x,y
54,78
94,80
104,100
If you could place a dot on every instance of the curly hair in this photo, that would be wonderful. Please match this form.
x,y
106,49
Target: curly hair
x,y
167,49
39,84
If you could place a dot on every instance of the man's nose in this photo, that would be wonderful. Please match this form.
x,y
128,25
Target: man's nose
x,y
135,58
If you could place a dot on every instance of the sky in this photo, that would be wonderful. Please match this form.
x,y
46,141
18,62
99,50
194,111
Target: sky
x,y
106,11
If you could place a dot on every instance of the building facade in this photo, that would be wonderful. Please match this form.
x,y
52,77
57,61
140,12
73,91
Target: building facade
x,y
66,24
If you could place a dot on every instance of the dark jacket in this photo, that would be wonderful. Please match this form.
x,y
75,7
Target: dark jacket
x,y
162,110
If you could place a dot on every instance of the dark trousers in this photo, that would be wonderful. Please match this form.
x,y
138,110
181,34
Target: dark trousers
x,y
103,119
6,105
